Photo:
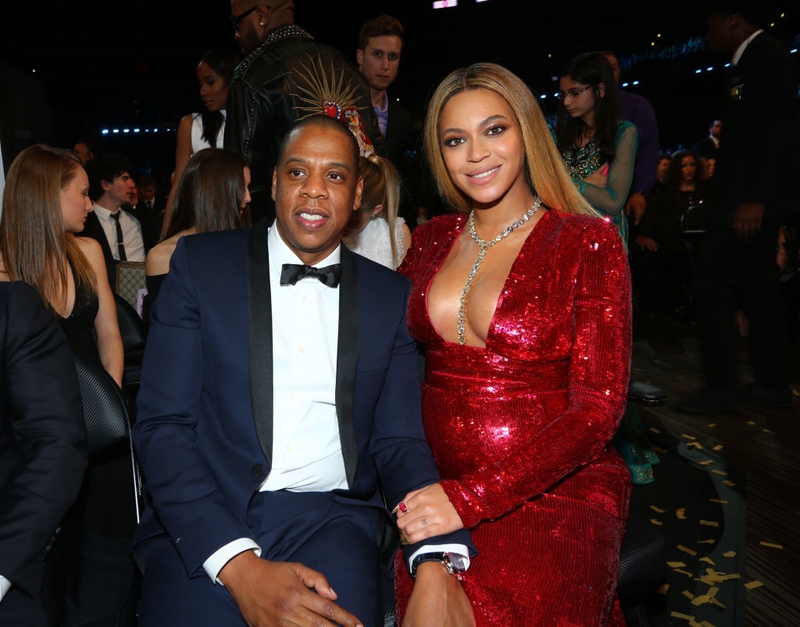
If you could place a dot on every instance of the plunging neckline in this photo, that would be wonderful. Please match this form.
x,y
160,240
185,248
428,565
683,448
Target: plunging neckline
x,y
490,329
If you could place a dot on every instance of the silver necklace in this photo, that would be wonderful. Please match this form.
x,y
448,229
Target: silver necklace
x,y
484,246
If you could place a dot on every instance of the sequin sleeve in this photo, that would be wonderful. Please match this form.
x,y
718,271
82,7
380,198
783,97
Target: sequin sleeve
x,y
599,368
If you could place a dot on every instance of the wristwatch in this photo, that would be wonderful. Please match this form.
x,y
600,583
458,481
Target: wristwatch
x,y
454,563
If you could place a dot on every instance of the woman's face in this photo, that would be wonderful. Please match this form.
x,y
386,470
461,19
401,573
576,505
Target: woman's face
x,y
578,104
213,88
75,202
482,147
711,167
246,198
688,167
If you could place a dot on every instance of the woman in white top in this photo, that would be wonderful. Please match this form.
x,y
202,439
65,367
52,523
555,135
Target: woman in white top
x,y
206,129
376,232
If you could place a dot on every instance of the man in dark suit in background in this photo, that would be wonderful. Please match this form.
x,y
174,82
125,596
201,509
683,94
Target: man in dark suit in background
x,y
123,234
42,451
708,147
752,197
274,401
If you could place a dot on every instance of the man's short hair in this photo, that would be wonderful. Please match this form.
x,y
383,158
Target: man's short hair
x,y
104,168
378,27
146,180
752,12
320,121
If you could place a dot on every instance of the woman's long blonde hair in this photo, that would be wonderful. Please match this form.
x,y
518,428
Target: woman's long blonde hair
x,y
382,186
33,239
544,168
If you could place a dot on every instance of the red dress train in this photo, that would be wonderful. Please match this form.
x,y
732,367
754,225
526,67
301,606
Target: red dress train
x,y
521,429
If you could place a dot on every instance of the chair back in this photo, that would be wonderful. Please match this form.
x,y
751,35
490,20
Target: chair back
x,y
105,415
131,326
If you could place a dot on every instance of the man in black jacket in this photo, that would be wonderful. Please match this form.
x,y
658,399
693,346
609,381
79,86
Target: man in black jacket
x,y
42,451
751,199
287,76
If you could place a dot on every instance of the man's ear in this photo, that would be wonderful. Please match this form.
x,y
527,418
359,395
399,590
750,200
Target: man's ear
x,y
376,211
264,13
359,191
105,185
274,183
359,58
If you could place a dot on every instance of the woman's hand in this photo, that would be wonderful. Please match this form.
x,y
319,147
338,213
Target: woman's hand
x,y
438,600
428,512
647,243
598,179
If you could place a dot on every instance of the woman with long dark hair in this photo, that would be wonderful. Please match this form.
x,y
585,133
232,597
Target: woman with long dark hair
x,y
45,202
522,301
206,129
210,196
599,149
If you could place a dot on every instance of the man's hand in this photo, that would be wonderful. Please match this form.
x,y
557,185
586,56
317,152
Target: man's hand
x,y
647,243
429,513
636,205
438,600
281,593
747,219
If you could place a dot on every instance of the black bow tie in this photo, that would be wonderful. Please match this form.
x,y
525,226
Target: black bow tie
x,y
291,273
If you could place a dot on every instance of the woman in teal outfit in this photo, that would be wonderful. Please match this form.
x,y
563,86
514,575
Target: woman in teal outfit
x,y
599,150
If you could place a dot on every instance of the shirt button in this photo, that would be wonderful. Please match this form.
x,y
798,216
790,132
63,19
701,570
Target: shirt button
x,y
258,470
301,350
288,448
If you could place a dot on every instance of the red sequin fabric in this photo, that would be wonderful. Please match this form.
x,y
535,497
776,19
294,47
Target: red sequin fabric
x,y
521,429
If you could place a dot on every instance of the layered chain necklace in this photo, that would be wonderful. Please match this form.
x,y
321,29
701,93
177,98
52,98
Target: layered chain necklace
x,y
484,246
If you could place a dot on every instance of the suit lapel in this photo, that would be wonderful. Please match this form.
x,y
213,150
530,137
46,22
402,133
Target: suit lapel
x,y
260,336
346,363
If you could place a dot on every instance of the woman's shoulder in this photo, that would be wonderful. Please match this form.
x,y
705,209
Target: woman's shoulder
x,y
89,247
582,227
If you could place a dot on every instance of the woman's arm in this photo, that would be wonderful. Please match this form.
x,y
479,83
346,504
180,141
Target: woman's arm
x,y
109,340
611,198
183,153
598,386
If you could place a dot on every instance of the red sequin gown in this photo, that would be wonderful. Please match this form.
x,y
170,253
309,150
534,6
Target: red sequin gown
x,y
521,429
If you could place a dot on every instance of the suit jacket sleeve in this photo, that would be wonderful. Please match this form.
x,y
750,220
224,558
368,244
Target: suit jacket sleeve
x,y
398,446
180,484
43,438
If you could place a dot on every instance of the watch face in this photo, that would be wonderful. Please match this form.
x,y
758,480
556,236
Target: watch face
x,y
457,562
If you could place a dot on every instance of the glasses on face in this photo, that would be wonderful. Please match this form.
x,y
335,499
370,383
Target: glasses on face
x,y
572,93
236,19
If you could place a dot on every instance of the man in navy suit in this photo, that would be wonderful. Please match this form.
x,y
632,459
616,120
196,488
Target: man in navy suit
x,y
279,396
42,453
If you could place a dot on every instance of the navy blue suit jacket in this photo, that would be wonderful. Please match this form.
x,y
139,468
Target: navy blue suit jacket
x,y
204,428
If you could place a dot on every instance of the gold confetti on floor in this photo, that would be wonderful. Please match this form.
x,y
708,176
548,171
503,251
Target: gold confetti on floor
x,y
657,510
676,564
663,589
688,595
771,545
681,513
718,447
707,560
658,449
710,541
729,483
695,445
721,502
709,523
752,585
720,472
686,550
750,423
707,462
656,521
654,430
711,425
684,572
708,597
687,436
729,554
768,431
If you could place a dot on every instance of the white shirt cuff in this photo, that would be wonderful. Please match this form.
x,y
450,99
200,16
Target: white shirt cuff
x,y
5,586
460,549
222,556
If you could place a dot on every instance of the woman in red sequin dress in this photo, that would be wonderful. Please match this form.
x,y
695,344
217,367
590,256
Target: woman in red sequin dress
x,y
525,313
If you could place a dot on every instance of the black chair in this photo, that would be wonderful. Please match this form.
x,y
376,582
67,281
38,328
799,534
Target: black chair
x,y
134,334
105,414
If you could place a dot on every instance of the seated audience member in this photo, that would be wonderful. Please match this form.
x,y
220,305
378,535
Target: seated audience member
x,y
123,234
276,400
147,195
660,255
210,196
42,453
663,167
709,166
206,129
45,203
86,150
376,231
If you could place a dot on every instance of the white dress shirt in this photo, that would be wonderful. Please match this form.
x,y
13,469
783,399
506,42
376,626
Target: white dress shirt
x,y
5,586
743,46
131,233
306,449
